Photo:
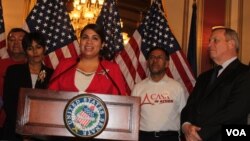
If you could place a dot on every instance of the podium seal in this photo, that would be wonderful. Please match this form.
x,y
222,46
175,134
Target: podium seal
x,y
85,116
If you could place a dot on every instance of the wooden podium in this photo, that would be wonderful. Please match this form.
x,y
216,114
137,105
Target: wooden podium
x,y
40,113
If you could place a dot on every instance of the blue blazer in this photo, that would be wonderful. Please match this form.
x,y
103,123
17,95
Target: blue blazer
x,y
227,101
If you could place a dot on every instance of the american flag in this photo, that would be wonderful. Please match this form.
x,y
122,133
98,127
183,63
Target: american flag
x,y
3,48
154,32
85,116
51,19
109,19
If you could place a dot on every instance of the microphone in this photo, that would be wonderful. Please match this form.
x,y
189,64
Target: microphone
x,y
111,79
56,77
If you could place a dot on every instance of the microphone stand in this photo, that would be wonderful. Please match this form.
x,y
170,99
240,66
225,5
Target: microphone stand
x,y
111,79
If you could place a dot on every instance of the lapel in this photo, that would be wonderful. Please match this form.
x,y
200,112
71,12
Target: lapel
x,y
26,76
228,72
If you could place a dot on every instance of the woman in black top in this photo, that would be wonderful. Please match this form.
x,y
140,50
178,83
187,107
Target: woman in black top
x,y
33,74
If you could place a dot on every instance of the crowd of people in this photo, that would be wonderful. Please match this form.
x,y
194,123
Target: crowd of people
x,y
220,96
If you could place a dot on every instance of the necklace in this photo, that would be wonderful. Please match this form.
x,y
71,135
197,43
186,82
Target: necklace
x,y
85,73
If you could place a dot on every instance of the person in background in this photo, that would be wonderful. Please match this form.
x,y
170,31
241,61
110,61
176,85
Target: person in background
x,y
89,73
162,99
220,100
33,74
15,55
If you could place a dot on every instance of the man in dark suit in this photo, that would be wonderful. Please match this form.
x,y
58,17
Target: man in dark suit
x,y
223,101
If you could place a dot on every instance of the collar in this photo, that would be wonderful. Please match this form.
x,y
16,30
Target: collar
x,y
225,64
164,78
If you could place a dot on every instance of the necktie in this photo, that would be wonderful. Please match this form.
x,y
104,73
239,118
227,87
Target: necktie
x,y
215,73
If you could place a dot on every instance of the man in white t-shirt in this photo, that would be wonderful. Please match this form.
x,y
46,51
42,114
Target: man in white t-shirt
x,y
162,99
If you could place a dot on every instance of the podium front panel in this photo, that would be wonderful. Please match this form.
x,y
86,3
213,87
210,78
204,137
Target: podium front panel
x,y
40,113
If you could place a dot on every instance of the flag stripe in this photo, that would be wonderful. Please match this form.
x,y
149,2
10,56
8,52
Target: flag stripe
x,y
72,50
83,118
3,47
59,53
188,68
134,56
129,64
182,72
139,56
48,62
125,71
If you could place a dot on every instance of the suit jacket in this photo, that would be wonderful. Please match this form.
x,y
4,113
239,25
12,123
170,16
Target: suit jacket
x,y
18,76
224,102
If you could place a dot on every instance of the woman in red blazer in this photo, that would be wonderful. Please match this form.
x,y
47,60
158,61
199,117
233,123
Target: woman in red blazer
x,y
89,73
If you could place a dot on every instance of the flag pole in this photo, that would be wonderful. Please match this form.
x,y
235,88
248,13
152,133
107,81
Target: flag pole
x,y
192,45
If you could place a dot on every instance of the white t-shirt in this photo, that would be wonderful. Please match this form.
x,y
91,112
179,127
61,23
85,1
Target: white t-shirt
x,y
161,104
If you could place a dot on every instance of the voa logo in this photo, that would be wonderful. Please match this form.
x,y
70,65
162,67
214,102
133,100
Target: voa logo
x,y
236,132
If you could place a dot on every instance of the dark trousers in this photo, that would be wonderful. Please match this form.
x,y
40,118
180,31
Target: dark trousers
x,y
159,136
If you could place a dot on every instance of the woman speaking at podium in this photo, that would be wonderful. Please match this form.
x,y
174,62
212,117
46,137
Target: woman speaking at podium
x,y
90,72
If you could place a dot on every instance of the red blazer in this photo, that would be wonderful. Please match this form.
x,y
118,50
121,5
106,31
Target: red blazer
x,y
64,75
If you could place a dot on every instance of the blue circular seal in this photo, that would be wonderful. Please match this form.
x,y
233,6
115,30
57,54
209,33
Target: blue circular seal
x,y
86,116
